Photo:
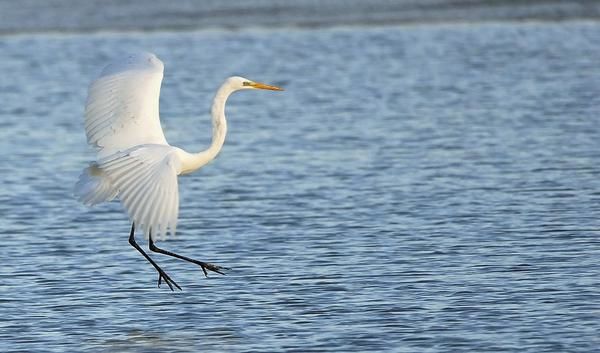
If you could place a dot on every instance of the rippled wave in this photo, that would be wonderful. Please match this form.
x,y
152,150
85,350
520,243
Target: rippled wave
x,y
413,189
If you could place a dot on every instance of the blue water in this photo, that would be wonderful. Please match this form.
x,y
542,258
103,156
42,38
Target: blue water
x,y
414,189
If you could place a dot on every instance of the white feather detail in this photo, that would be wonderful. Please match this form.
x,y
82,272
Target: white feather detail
x,y
146,179
94,186
122,106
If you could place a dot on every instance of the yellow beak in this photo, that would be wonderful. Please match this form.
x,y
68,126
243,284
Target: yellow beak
x,y
264,86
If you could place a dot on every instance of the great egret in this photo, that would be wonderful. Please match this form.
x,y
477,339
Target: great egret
x,y
134,160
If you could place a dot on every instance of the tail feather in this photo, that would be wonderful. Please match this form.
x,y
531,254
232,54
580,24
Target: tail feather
x,y
94,186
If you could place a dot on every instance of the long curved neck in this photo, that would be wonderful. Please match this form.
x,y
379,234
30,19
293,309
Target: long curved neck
x,y
219,124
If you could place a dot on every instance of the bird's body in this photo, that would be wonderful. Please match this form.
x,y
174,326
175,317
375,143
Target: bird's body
x,y
134,160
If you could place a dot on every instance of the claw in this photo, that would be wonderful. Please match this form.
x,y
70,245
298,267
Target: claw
x,y
168,280
213,268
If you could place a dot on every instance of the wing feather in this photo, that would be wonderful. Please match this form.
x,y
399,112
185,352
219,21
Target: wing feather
x,y
122,122
146,179
122,105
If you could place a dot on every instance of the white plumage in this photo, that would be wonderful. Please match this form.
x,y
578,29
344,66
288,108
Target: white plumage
x,y
146,177
134,160
122,105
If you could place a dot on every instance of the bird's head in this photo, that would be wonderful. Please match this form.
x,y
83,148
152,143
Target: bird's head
x,y
237,82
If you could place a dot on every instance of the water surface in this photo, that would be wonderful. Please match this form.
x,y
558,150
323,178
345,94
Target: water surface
x,y
424,188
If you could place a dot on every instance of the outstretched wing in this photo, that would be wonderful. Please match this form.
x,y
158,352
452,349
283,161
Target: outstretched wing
x,y
122,105
146,180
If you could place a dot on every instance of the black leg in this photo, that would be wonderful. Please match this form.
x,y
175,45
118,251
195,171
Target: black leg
x,y
205,265
161,273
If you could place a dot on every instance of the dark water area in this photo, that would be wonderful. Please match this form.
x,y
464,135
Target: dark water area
x,y
74,16
428,188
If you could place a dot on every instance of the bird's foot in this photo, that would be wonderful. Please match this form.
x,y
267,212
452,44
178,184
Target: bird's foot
x,y
205,265
163,275
210,267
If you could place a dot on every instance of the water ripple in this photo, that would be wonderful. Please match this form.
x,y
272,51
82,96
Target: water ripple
x,y
415,189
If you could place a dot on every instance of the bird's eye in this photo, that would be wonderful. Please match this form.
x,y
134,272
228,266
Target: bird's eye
x,y
246,83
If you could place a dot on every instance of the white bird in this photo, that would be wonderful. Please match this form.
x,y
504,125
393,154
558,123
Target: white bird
x,y
134,161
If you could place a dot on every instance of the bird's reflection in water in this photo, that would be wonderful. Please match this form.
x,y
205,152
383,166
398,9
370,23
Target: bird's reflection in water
x,y
180,340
